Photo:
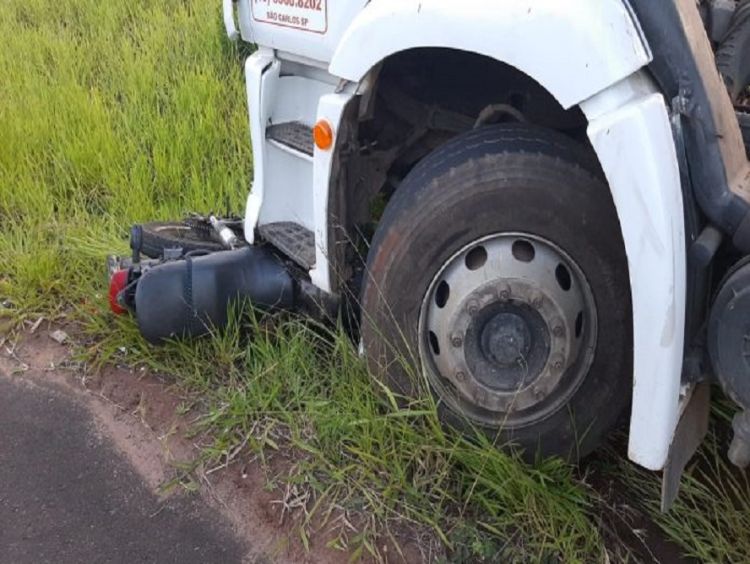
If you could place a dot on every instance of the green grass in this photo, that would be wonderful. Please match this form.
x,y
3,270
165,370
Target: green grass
x,y
302,387
113,113
110,113
711,518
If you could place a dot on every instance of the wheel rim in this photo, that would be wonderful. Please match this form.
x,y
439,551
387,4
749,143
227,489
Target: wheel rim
x,y
508,330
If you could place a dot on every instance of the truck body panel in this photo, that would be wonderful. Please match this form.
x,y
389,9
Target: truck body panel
x,y
309,28
596,43
628,124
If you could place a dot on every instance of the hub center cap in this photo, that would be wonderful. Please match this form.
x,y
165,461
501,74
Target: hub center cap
x,y
506,339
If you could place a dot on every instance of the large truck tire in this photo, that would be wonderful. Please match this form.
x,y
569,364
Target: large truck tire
x,y
497,279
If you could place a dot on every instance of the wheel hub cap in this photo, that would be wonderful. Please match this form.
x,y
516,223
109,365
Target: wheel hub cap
x,y
506,339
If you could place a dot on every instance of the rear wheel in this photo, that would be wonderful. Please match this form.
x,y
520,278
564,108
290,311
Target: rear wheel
x,y
499,268
193,234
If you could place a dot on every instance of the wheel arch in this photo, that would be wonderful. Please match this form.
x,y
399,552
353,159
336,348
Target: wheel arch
x,y
597,42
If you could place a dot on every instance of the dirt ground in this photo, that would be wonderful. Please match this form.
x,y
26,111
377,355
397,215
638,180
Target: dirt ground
x,y
138,415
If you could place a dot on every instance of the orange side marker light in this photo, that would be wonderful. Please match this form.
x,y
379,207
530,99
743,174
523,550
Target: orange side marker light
x,y
323,135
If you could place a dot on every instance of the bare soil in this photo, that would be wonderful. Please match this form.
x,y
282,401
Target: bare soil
x,y
623,524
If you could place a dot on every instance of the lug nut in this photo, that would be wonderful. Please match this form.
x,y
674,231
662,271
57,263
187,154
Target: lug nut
x,y
457,341
558,331
461,376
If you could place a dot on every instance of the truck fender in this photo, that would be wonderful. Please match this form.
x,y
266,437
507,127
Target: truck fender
x,y
630,131
595,43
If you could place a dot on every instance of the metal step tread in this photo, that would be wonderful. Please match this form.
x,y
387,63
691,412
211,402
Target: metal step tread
x,y
293,134
294,240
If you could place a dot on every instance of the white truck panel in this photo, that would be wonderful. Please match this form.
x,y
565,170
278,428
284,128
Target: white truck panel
x,y
630,130
283,181
261,74
331,108
311,28
574,48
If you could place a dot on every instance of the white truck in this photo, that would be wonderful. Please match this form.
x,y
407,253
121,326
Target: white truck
x,y
542,204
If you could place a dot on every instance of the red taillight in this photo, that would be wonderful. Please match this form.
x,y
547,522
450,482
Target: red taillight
x,y
117,284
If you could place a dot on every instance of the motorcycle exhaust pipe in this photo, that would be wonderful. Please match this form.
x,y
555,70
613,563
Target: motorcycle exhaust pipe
x,y
190,297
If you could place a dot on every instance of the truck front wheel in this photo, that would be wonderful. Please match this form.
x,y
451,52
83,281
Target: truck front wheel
x,y
499,270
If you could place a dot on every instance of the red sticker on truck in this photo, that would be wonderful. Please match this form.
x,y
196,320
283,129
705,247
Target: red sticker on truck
x,y
306,15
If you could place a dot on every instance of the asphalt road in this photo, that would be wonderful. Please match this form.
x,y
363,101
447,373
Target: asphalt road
x,y
66,495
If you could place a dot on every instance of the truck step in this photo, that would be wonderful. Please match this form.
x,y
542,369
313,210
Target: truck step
x,y
292,239
294,135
